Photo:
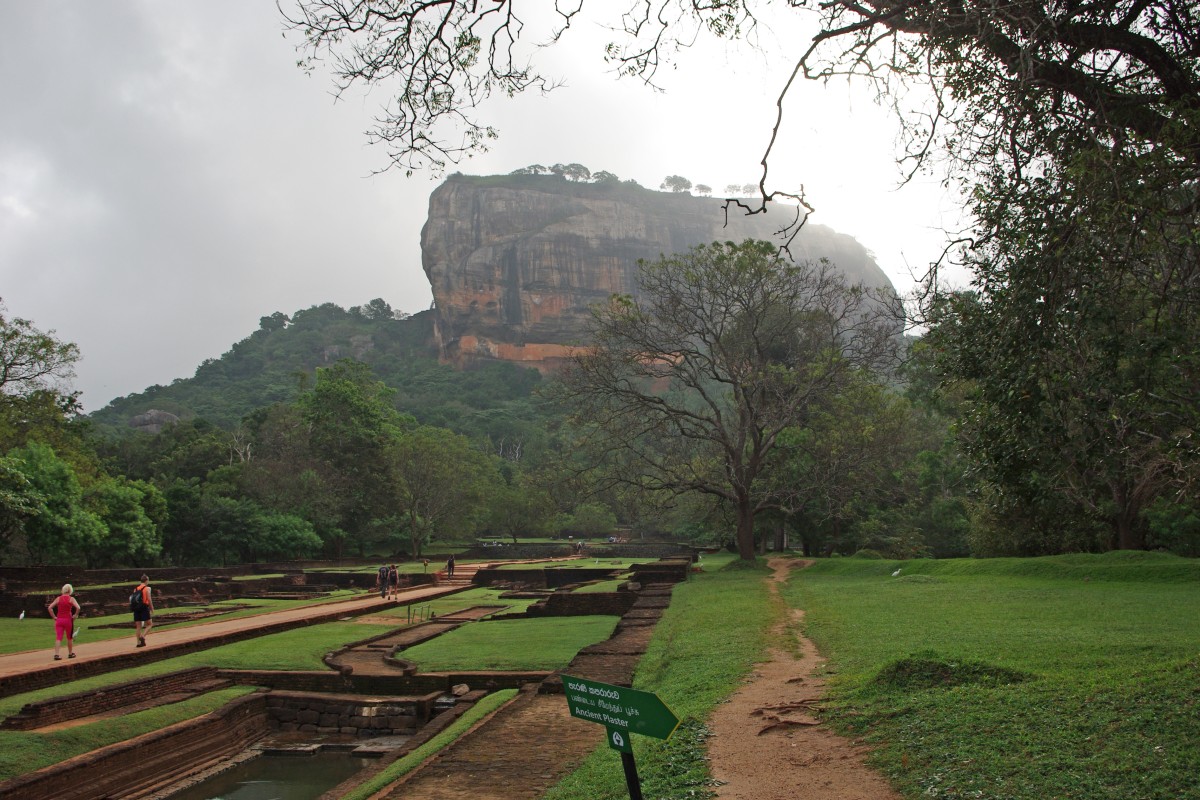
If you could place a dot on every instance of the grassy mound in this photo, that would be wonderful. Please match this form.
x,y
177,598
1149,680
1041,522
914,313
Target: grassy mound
x,y
928,671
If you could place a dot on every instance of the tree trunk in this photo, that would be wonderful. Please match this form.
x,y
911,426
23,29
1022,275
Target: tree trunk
x,y
745,530
781,537
1127,532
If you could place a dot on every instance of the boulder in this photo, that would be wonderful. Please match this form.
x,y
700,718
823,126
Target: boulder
x,y
516,261
153,421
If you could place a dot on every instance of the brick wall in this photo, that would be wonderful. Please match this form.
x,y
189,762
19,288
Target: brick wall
x,y
571,604
399,685
665,571
123,769
348,714
98,701
541,577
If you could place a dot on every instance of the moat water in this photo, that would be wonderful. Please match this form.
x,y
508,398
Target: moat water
x,y
271,777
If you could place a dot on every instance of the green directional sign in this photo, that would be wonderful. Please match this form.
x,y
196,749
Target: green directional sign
x,y
620,709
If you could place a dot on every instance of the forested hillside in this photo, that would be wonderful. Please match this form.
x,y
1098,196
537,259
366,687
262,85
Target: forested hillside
x,y
275,363
331,432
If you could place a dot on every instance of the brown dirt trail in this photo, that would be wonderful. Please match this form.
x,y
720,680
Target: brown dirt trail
x,y
768,745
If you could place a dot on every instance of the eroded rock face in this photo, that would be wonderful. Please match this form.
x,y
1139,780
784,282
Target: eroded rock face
x,y
516,261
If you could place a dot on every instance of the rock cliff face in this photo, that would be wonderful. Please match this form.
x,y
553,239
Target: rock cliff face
x,y
515,261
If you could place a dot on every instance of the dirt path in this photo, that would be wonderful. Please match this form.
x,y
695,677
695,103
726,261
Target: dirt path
x,y
766,745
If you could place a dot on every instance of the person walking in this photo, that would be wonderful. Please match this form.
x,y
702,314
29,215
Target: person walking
x,y
393,582
141,603
450,566
63,610
383,582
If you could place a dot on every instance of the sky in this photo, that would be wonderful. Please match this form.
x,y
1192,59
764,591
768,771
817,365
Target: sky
x,y
168,176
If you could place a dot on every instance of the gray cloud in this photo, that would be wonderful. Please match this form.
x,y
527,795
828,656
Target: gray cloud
x,y
168,176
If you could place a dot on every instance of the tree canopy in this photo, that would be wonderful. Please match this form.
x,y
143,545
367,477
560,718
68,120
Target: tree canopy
x,y
31,360
1074,128
690,386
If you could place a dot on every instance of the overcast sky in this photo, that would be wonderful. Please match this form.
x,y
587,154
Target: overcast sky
x,y
168,175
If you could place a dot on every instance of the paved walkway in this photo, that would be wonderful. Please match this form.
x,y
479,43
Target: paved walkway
x,y
91,657
87,652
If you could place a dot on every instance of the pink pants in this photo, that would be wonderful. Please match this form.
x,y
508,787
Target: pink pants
x,y
64,627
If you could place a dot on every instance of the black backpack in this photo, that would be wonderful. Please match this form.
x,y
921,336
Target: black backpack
x,y
137,600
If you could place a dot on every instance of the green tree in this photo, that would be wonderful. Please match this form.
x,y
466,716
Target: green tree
x,y
676,183
187,449
689,387
208,526
519,508
64,531
30,359
133,514
353,429
324,457
35,404
287,475
275,322
19,502
577,172
442,486
378,309
1076,130
591,519
842,467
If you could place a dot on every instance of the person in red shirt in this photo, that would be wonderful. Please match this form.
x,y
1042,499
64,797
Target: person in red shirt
x,y
63,610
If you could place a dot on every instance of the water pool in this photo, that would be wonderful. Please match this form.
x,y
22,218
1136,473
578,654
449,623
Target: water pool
x,y
271,777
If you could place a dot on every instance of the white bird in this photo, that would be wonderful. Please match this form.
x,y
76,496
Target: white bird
x,y
21,615
897,572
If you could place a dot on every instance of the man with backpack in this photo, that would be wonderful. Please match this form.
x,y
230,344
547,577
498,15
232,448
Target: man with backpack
x,y
143,610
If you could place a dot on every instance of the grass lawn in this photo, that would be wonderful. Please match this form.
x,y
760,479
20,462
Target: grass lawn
x,y
511,644
1067,677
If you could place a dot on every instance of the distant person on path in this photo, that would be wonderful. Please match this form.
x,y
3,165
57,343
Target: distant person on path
x,y
142,606
450,566
383,581
393,582
64,609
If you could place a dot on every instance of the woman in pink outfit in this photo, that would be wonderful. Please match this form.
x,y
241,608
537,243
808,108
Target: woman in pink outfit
x,y
64,610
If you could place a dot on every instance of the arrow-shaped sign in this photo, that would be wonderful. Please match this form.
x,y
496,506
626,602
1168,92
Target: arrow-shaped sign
x,y
619,708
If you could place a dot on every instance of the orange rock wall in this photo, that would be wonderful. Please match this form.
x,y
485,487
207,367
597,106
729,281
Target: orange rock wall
x,y
515,262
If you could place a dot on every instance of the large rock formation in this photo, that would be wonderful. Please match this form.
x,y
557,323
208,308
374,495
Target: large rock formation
x,y
515,261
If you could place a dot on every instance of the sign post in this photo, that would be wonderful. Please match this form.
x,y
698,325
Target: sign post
x,y
622,711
